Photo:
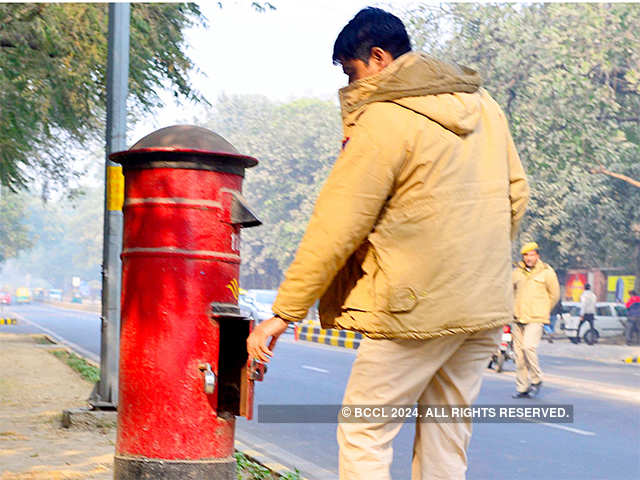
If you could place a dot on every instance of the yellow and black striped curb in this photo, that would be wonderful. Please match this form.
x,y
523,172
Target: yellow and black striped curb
x,y
337,338
8,321
632,360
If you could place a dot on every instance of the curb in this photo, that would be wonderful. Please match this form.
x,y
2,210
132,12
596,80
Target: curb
x,y
635,360
81,307
337,338
8,321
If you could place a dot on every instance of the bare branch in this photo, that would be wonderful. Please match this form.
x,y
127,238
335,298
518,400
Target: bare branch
x,y
604,171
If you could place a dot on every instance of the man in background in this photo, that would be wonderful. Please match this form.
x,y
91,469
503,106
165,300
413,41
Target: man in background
x,y
633,298
536,291
587,310
421,204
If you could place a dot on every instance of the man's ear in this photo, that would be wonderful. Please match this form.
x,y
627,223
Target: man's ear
x,y
380,57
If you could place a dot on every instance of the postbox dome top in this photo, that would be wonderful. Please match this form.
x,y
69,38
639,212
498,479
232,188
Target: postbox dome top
x,y
182,142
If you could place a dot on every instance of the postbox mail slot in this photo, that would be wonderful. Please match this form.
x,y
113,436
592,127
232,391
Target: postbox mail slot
x,y
235,379
225,310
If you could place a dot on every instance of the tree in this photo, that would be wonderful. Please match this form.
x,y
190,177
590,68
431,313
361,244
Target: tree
x,y
53,60
52,71
14,234
65,238
296,144
568,79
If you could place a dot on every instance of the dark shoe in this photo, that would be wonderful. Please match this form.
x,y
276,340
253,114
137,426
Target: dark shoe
x,y
521,395
535,389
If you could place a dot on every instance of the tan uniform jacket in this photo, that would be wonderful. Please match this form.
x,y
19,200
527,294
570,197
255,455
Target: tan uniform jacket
x,y
536,292
411,233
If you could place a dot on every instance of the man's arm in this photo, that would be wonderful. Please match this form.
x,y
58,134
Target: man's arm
x,y
345,213
553,286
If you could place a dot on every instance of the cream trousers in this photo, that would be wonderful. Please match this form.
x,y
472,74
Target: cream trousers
x,y
439,371
526,337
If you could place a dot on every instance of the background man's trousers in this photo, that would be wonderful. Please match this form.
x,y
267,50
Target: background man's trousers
x,y
587,317
439,371
526,337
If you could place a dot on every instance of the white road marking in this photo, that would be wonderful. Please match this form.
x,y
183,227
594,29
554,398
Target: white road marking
x,y
315,369
568,429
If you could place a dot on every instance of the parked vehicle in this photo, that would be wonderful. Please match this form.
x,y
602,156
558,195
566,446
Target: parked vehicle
x,y
610,320
505,350
247,305
258,303
38,294
55,294
23,295
5,298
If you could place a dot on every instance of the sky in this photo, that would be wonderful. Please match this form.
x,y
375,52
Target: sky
x,y
282,54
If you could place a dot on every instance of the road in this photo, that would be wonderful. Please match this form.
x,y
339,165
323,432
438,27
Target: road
x,y
602,443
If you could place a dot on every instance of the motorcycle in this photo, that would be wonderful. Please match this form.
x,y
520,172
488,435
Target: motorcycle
x,y
505,350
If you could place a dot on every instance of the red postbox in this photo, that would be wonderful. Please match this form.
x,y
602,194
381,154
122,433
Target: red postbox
x,y
184,374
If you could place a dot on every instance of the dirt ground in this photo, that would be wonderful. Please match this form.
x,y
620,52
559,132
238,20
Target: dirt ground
x,y
35,387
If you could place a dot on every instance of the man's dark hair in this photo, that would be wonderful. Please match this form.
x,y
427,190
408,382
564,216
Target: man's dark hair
x,y
587,286
371,27
633,293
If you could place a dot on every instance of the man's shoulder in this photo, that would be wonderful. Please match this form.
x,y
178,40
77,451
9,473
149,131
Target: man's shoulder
x,y
548,268
383,111
386,120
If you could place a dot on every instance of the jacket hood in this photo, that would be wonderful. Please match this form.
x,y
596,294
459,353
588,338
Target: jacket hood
x,y
440,91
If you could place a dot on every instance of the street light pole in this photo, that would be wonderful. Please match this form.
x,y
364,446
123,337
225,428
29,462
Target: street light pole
x,y
105,392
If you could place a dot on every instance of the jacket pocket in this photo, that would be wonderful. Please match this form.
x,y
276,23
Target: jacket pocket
x,y
402,299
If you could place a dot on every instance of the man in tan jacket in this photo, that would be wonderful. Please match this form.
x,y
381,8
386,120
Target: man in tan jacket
x,y
409,243
536,291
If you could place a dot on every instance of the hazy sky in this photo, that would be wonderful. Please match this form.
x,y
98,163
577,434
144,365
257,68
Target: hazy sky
x,y
282,54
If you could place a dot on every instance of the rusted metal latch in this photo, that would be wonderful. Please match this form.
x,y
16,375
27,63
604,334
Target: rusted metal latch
x,y
257,370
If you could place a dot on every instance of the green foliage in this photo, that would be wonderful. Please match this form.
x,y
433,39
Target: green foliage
x,y
66,238
14,234
80,365
250,470
52,69
568,78
296,144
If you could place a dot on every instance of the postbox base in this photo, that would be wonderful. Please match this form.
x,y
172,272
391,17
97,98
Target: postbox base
x,y
136,468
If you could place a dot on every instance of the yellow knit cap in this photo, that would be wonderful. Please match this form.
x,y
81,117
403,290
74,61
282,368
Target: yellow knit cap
x,y
527,247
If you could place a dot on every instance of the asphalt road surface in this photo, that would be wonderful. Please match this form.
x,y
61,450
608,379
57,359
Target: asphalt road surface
x,y
603,442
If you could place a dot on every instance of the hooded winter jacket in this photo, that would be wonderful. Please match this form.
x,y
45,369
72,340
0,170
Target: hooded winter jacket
x,y
536,291
411,233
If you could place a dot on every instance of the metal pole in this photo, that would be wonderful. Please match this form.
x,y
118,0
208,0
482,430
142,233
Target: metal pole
x,y
105,393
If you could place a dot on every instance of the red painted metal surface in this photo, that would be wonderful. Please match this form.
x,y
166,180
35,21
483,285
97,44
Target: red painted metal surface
x,y
180,253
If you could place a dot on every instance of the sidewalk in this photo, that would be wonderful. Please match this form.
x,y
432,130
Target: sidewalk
x,y
601,351
35,387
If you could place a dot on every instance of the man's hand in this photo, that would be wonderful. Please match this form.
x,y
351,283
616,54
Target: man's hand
x,y
257,341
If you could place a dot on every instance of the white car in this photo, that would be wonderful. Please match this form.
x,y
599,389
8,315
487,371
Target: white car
x,y
258,303
609,320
